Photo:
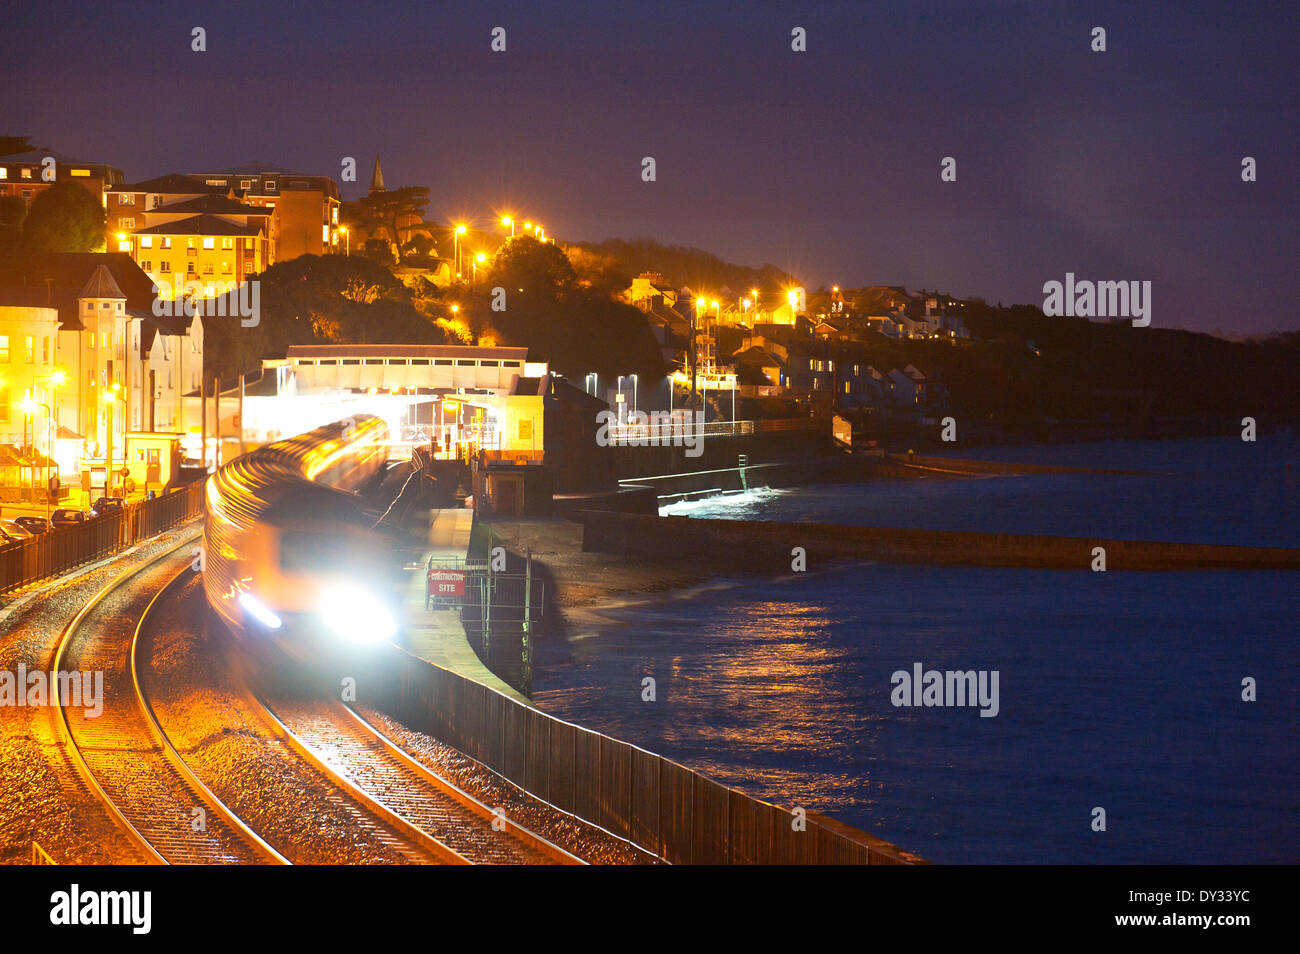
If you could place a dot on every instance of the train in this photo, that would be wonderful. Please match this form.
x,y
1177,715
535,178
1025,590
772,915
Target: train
x,y
290,555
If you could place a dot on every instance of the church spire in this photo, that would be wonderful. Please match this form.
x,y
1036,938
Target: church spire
x,y
377,179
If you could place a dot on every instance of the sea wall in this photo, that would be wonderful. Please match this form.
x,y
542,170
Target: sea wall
x,y
745,545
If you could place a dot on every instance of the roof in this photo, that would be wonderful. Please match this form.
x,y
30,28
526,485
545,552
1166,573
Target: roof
x,y
101,285
255,168
213,204
25,296
173,182
200,225
404,351
60,278
39,155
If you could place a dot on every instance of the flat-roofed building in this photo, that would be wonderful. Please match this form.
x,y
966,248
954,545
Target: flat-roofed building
x,y
468,402
306,207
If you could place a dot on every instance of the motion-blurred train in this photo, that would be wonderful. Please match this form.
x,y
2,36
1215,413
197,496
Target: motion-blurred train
x,y
289,551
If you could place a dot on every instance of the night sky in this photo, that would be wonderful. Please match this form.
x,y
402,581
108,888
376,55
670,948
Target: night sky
x,y
1117,165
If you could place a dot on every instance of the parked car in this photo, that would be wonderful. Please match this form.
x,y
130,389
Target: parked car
x,y
104,504
33,524
68,518
15,531
5,539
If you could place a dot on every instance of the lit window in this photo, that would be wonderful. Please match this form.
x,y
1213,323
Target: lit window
x,y
146,241
126,222
124,245
126,198
167,241
227,243
4,172
81,172
4,349
27,173
209,243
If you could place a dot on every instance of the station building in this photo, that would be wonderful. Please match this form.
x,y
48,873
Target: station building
x,y
470,403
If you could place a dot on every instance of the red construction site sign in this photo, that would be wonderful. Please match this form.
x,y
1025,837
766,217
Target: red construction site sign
x,y
446,582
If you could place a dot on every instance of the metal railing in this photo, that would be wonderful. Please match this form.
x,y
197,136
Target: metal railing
x,y
63,548
665,433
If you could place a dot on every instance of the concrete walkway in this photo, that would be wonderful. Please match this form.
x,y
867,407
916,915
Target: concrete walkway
x,y
437,636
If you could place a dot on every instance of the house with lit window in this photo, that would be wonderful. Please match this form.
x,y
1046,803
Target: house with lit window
x,y
114,371
29,329
186,234
26,174
306,207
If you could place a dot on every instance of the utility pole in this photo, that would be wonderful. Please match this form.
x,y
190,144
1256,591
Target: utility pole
x,y
216,421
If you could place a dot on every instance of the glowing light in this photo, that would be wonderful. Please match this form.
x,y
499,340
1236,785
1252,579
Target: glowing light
x,y
357,614
481,257
256,609
58,378
506,220
460,230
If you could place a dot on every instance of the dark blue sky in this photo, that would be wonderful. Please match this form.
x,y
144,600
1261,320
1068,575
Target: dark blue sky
x,y
1116,165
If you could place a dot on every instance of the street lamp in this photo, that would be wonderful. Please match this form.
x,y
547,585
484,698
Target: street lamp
x,y
347,242
110,395
507,220
479,259
460,230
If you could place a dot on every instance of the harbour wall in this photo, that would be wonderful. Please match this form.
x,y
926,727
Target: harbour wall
x,y
765,546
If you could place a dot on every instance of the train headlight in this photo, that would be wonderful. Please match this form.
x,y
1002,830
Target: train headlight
x,y
257,609
357,614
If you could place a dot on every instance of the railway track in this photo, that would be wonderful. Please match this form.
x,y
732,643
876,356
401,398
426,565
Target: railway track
x,y
340,742
168,815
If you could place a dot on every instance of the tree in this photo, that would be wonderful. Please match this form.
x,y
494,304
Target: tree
x,y
535,270
12,145
398,211
573,327
12,212
64,218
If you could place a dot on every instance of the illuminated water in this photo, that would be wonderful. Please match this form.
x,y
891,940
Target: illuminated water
x,y
1116,690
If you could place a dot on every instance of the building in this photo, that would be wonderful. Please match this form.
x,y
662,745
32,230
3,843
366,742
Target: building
x,y
190,237
112,368
468,401
26,174
306,207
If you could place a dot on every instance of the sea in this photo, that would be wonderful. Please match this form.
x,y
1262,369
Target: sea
x,y
1142,718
